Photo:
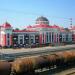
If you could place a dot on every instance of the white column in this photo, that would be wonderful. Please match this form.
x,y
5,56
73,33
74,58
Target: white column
x,y
23,39
34,38
48,37
51,37
45,38
62,37
42,37
29,39
18,39
56,37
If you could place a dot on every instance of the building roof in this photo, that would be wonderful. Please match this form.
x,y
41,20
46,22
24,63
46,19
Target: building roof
x,y
42,20
56,26
43,26
6,25
25,31
29,26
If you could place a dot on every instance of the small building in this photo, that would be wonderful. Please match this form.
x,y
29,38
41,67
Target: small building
x,y
72,29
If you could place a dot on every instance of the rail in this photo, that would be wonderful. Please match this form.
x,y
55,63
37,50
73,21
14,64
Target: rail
x,y
40,51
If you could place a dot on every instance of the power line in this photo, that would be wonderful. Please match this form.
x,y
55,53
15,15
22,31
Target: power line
x,y
37,14
30,13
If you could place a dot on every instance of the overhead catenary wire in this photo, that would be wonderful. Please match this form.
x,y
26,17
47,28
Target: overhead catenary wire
x,y
64,19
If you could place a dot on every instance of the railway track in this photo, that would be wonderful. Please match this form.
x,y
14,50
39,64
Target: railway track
x,y
70,71
62,64
40,51
73,73
56,71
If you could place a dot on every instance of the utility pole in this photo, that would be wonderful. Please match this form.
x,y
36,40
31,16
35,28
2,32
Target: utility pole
x,y
71,27
71,22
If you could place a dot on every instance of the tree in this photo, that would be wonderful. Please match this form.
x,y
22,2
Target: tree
x,y
17,29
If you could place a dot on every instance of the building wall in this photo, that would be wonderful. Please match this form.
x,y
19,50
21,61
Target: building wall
x,y
25,39
6,36
41,36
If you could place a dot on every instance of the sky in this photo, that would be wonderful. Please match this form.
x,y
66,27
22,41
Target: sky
x,y
21,13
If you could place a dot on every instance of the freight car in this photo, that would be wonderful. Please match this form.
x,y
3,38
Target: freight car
x,y
23,65
5,68
30,64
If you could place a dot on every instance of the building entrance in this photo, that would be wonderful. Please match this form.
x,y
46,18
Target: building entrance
x,y
21,39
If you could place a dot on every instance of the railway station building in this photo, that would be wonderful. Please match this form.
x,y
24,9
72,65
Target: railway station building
x,y
41,33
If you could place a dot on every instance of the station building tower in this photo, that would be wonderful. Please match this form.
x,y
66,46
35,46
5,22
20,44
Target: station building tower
x,y
6,35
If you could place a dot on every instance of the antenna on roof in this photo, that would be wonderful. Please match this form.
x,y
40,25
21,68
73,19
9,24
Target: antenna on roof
x,y
6,19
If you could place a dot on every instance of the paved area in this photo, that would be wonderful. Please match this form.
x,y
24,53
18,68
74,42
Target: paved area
x,y
11,54
67,72
10,51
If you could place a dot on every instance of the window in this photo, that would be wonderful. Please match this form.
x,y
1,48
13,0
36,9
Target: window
x,y
8,39
47,37
36,39
8,42
50,37
66,37
21,39
43,38
8,35
32,41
